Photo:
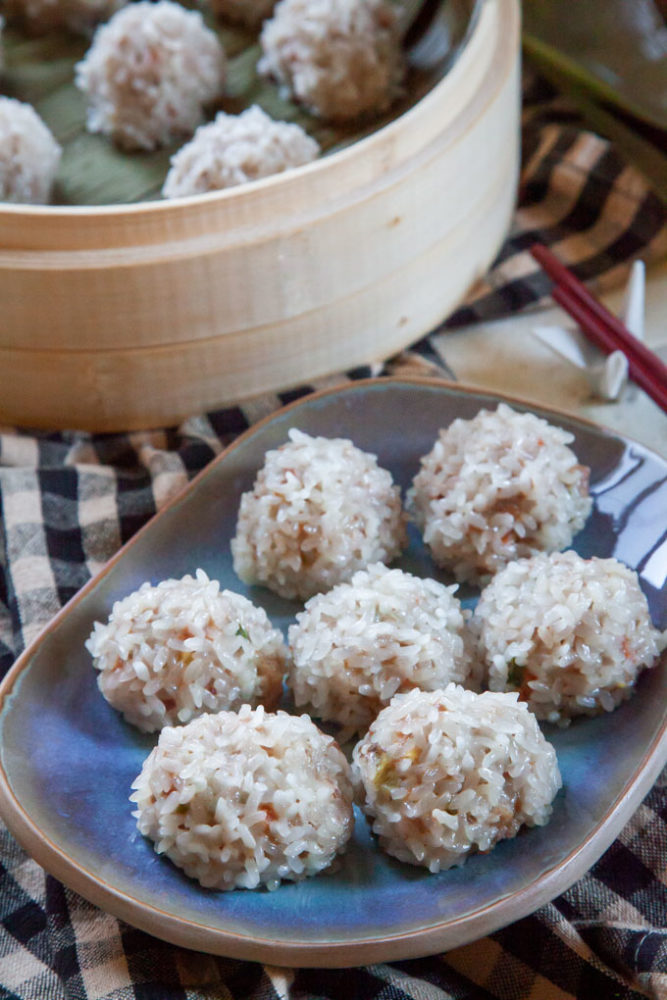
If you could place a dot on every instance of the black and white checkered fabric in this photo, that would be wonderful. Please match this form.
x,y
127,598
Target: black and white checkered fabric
x,y
69,500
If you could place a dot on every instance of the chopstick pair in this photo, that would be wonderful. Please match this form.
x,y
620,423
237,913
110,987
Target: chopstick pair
x,y
603,328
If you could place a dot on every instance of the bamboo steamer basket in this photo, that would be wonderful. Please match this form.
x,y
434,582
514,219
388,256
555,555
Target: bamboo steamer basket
x,y
125,317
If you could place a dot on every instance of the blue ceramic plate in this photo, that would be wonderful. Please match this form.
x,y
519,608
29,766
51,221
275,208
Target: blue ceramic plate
x,y
67,759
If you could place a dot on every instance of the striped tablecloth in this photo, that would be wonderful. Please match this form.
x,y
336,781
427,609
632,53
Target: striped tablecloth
x,y
69,500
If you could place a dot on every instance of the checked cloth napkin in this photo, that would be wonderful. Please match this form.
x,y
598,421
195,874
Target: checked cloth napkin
x,y
69,500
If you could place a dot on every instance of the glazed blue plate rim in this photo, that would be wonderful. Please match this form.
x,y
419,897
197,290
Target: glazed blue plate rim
x,y
311,950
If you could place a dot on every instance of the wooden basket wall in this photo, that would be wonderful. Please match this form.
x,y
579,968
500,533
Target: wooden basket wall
x,y
125,317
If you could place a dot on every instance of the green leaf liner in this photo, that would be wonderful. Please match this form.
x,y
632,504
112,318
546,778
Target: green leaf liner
x,y
93,171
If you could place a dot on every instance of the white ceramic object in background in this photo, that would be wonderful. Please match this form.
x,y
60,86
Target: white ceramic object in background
x,y
607,374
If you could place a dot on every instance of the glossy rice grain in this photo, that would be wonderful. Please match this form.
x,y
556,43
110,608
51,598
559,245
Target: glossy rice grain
x,y
246,800
29,155
570,634
183,648
237,149
384,632
341,59
496,488
149,74
319,510
446,773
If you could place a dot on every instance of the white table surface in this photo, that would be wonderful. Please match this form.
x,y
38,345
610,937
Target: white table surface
x,y
504,356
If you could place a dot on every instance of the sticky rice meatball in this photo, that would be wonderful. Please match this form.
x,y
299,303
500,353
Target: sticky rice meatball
x,y
571,635
384,632
341,59
236,149
80,16
320,509
248,799
499,487
443,774
171,652
251,13
149,74
29,155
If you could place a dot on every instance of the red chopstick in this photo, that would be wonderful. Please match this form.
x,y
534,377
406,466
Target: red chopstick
x,y
604,329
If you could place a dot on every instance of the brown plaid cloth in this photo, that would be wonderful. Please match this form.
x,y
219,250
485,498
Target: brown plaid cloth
x,y
69,500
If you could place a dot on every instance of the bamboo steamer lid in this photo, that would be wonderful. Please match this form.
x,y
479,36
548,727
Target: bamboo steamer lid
x,y
124,317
